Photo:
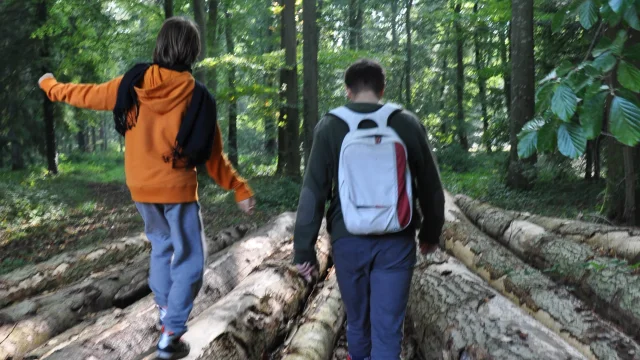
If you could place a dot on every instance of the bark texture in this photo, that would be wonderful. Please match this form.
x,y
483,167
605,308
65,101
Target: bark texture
x,y
310,73
130,333
66,268
610,287
316,337
456,315
30,323
250,320
616,241
550,304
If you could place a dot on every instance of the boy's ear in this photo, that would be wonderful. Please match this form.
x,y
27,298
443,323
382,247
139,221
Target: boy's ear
x,y
381,95
349,93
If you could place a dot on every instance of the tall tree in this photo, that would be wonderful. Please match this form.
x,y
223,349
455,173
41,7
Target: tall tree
x,y
270,128
47,105
212,35
522,88
506,68
168,8
310,85
288,152
355,14
408,64
199,14
482,94
460,124
233,99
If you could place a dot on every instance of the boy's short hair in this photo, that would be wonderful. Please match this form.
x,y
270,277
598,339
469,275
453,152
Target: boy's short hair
x,y
365,74
178,43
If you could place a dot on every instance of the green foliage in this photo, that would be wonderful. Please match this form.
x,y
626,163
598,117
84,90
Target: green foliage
x,y
454,158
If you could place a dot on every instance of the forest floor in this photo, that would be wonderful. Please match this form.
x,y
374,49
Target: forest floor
x,y
88,202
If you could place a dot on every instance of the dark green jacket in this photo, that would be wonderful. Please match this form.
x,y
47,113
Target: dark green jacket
x,y
320,182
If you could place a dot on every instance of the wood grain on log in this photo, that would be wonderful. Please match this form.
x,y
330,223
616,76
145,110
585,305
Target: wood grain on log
x,y
550,304
126,334
30,323
612,289
456,315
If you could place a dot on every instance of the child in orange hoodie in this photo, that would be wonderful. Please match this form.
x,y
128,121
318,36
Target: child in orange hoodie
x,y
169,123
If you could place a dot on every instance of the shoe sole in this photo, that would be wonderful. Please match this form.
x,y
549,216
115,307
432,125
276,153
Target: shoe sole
x,y
162,355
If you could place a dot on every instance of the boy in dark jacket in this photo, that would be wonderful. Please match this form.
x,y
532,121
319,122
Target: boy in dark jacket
x,y
374,271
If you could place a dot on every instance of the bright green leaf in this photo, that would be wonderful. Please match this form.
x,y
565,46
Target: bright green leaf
x,y
588,14
564,102
579,80
629,76
605,62
527,144
618,43
592,114
533,125
572,141
624,121
631,17
557,21
547,138
564,68
543,97
603,46
616,5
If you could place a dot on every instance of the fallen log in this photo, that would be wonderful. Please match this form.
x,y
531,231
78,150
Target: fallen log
x,y
613,290
321,322
615,241
456,315
250,320
130,332
30,323
552,305
67,268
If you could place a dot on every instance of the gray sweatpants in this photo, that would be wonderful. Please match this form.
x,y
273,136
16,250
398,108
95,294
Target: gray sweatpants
x,y
177,258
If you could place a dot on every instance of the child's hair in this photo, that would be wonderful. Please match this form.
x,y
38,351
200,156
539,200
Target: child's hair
x,y
178,43
365,74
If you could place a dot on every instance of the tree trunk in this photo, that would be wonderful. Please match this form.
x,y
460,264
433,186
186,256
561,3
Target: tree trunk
x,y
290,159
269,123
611,240
310,86
596,159
17,160
353,24
395,43
407,69
442,99
199,13
506,70
615,196
66,268
233,100
588,171
82,139
550,304
456,315
482,92
168,8
212,25
628,157
131,335
461,127
613,290
94,146
103,134
522,89
38,319
257,313
320,325
47,105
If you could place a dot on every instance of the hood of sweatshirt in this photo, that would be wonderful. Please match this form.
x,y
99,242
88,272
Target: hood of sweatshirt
x,y
163,89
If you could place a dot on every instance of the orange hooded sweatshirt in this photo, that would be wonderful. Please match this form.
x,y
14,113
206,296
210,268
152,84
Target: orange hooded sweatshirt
x,y
164,96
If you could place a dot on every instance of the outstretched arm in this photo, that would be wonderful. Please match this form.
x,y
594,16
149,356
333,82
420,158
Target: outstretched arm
x,y
86,96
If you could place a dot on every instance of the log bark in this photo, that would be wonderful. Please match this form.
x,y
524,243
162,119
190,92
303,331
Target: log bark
x,y
30,323
321,323
66,268
130,333
550,304
251,319
605,284
456,315
616,241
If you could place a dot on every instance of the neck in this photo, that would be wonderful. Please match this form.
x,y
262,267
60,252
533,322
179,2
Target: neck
x,y
366,97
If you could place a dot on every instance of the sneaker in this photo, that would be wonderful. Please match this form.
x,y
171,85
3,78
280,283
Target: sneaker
x,y
162,312
170,347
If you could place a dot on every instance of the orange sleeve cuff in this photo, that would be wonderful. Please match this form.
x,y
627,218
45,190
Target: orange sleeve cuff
x,y
47,84
243,192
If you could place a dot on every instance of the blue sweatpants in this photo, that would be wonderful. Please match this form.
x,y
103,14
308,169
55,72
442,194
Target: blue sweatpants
x,y
177,258
374,276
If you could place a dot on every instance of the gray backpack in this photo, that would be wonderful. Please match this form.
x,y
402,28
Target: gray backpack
x,y
374,180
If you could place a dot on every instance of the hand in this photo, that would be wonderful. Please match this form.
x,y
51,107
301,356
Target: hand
x,y
426,248
247,206
306,270
45,76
